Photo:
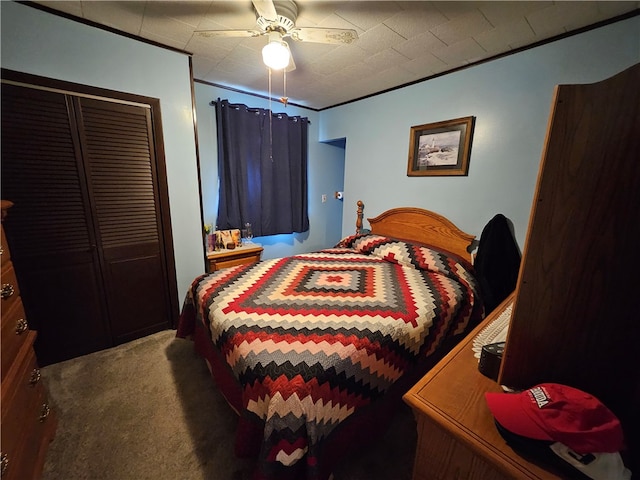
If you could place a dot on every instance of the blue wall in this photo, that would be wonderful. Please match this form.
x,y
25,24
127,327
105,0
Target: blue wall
x,y
38,43
510,98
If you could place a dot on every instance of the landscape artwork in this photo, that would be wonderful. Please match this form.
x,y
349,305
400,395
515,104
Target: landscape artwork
x,y
438,149
441,148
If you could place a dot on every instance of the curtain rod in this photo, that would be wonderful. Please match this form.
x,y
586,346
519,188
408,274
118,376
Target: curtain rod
x,y
257,109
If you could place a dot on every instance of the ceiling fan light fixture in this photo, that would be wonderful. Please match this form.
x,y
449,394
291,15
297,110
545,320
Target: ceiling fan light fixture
x,y
275,55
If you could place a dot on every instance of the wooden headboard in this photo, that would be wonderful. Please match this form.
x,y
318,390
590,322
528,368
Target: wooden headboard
x,y
421,226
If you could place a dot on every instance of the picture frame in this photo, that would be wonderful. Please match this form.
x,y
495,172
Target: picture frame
x,y
440,148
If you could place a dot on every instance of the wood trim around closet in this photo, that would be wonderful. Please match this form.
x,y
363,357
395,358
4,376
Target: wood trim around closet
x,y
159,163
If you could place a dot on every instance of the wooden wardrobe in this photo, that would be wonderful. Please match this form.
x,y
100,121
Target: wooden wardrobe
x,y
90,227
576,318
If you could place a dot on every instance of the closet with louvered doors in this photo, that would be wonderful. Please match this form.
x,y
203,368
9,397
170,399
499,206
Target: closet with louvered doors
x,y
90,224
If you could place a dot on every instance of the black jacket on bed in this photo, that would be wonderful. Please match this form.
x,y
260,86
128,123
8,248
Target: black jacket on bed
x,y
497,262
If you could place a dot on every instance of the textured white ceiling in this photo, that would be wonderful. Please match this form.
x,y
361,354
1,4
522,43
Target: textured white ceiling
x,y
399,42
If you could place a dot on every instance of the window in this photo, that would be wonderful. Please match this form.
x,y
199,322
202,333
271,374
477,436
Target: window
x,y
262,170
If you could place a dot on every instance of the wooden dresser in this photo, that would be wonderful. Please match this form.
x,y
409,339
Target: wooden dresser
x,y
28,422
457,437
230,258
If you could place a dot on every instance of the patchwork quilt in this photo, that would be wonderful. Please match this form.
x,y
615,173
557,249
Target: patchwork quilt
x,y
315,337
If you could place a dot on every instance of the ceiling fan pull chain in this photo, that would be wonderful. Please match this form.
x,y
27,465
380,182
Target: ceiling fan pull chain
x,y
270,121
284,99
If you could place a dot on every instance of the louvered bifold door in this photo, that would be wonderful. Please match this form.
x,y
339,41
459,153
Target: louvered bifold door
x,y
50,229
117,145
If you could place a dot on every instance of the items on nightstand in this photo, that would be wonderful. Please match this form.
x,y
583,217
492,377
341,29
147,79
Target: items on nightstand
x,y
211,242
247,233
227,239
209,237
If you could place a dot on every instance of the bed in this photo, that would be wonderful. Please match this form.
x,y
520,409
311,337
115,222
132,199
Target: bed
x,y
314,351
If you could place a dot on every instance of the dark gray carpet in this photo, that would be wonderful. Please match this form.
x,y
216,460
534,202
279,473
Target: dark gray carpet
x,y
149,410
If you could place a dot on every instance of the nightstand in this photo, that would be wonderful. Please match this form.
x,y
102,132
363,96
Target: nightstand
x,y
230,258
457,436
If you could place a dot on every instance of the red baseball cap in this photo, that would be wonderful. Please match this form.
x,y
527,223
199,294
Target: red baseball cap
x,y
559,413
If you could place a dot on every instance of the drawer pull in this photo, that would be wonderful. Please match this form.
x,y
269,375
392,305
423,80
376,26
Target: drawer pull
x,y
7,290
4,463
21,326
35,377
44,413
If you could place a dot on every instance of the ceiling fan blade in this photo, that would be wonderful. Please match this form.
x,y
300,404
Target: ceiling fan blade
x,y
324,35
266,9
228,33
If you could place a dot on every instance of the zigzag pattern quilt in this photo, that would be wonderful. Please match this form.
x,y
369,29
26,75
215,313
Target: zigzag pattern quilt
x,y
314,337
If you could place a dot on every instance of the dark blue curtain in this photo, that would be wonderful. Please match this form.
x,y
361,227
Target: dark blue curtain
x,y
262,170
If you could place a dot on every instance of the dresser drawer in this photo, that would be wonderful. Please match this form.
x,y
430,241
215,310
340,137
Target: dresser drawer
x,y
34,443
27,423
14,333
25,417
10,290
220,264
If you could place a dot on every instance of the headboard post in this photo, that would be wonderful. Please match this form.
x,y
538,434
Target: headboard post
x,y
359,216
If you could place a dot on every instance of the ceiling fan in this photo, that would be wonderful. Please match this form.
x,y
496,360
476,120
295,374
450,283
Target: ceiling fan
x,y
277,20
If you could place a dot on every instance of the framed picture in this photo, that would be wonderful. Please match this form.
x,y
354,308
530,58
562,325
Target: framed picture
x,y
441,148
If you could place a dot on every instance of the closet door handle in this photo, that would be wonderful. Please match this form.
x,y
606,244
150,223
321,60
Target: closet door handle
x,y
7,290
